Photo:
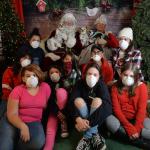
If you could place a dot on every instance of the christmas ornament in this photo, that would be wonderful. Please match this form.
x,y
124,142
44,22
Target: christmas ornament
x,y
41,5
105,5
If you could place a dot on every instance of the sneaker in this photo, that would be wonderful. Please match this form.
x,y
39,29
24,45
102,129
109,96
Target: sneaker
x,y
64,129
84,144
98,142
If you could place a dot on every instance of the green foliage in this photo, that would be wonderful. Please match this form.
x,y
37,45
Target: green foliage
x,y
141,29
11,30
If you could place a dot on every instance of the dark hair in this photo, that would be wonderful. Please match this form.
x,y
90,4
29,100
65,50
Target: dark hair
x,y
16,65
33,68
55,66
93,65
136,72
96,47
35,31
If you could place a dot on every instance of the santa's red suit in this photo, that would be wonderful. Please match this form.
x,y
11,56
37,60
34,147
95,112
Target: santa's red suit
x,y
64,38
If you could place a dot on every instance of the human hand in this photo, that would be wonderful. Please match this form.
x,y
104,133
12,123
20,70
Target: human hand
x,y
53,56
134,136
100,41
24,132
82,124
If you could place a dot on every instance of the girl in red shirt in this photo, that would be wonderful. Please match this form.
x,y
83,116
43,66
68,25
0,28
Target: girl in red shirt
x,y
129,100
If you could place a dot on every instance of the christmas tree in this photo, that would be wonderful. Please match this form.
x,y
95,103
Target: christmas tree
x,y
11,31
141,28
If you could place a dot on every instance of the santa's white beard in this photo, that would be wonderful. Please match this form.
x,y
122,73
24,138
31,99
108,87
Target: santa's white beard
x,y
69,30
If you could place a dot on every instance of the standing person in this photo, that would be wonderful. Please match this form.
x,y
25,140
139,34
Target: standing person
x,y
90,103
129,100
11,78
97,55
126,52
23,129
32,47
64,38
55,111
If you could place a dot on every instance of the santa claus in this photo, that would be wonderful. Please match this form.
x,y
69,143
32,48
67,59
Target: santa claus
x,y
64,38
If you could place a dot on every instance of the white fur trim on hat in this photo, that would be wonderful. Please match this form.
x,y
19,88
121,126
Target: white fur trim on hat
x,y
102,19
127,32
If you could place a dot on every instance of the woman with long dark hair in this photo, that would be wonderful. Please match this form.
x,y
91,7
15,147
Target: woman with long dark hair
x,y
90,105
129,100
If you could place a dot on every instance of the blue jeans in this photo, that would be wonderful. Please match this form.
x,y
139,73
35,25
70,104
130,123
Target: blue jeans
x,y
10,136
3,108
84,114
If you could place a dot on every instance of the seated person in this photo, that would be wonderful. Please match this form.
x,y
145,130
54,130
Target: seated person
x,y
126,53
65,38
71,72
11,78
23,129
129,100
90,105
97,55
55,111
32,47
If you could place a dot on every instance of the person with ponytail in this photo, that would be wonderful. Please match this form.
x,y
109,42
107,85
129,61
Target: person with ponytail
x,y
129,100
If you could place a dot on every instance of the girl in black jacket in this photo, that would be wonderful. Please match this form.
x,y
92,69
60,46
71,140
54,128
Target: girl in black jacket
x,y
91,104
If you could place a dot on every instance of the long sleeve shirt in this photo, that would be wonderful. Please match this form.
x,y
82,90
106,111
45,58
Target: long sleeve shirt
x,y
106,70
9,81
127,108
83,91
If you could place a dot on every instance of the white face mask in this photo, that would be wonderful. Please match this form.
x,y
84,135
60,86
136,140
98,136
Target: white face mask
x,y
128,81
35,44
32,81
25,62
55,77
96,58
123,44
91,80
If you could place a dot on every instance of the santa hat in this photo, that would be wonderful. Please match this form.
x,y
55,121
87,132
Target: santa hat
x,y
127,32
102,19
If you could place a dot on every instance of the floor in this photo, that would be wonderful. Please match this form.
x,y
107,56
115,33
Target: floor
x,y
71,142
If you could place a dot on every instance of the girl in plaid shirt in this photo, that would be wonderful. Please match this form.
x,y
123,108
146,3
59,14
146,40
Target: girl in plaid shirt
x,y
126,52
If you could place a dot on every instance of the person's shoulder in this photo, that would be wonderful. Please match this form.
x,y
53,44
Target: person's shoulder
x,y
9,69
44,85
142,85
8,72
19,88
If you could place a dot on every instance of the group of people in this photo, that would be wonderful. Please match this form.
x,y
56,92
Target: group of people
x,y
41,91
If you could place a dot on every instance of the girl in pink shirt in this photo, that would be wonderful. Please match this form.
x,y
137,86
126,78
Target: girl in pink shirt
x,y
24,111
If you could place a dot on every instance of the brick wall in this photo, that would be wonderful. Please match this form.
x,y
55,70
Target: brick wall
x,y
116,20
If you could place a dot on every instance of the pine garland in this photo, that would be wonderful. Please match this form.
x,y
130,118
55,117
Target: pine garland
x,y
141,29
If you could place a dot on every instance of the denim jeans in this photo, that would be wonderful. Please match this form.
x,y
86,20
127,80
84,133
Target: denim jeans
x,y
10,136
85,113
3,108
